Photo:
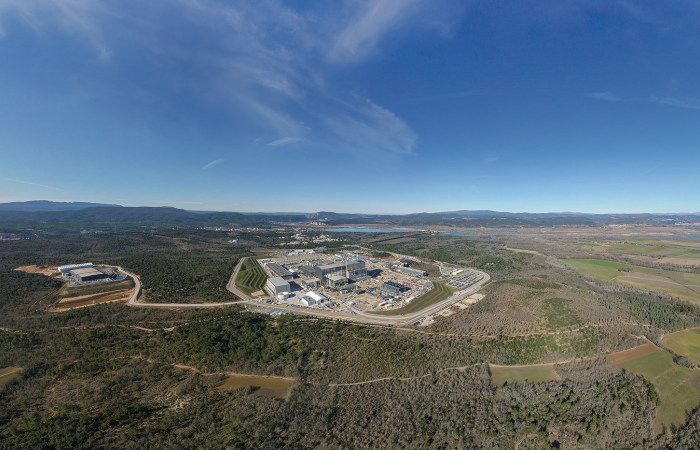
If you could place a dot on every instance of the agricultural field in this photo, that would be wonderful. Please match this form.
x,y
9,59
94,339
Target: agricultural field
x,y
680,284
678,387
664,251
685,342
439,292
251,277
501,375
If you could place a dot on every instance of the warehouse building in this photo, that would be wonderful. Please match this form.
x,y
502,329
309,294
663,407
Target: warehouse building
x,y
313,298
277,285
392,287
68,267
337,280
412,272
87,274
308,271
349,269
329,270
310,283
356,269
280,271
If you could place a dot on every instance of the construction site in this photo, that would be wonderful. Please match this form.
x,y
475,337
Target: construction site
x,y
350,282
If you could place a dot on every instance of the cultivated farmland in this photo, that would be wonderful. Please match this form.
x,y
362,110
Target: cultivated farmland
x,y
680,284
678,387
685,342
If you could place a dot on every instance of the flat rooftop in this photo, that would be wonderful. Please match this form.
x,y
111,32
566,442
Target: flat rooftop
x,y
312,280
86,272
278,282
279,270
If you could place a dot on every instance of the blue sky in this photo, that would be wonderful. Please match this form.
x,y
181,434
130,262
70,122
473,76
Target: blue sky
x,y
388,106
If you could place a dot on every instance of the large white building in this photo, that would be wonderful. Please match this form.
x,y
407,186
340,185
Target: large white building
x,y
68,267
276,285
313,298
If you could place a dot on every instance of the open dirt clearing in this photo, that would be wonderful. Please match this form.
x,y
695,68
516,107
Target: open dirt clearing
x,y
267,386
49,271
93,299
535,373
518,250
8,373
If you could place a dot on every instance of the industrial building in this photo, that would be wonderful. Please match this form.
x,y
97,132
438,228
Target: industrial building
x,y
276,285
308,271
392,287
412,272
313,298
337,280
87,274
356,269
348,269
280,271
68,267
310,283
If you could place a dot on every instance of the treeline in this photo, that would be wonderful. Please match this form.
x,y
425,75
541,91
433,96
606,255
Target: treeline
x,y
137,404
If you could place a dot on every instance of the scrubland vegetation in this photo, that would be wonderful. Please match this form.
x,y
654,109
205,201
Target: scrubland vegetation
x,y
105,376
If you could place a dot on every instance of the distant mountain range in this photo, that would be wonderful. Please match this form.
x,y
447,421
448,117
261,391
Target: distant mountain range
x,y
81,212
46,205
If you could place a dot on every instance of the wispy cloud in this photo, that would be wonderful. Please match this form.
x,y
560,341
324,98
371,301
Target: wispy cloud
x,y
212,164
32,184
367,126
373,20
283,141
490,158
680,102
606,96
71,16
268,65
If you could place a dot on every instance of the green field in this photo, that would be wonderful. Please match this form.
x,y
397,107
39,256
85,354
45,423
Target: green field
x,y
522,374
686,343
680,284
439,292
251,277
653,248
678,387
275,387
